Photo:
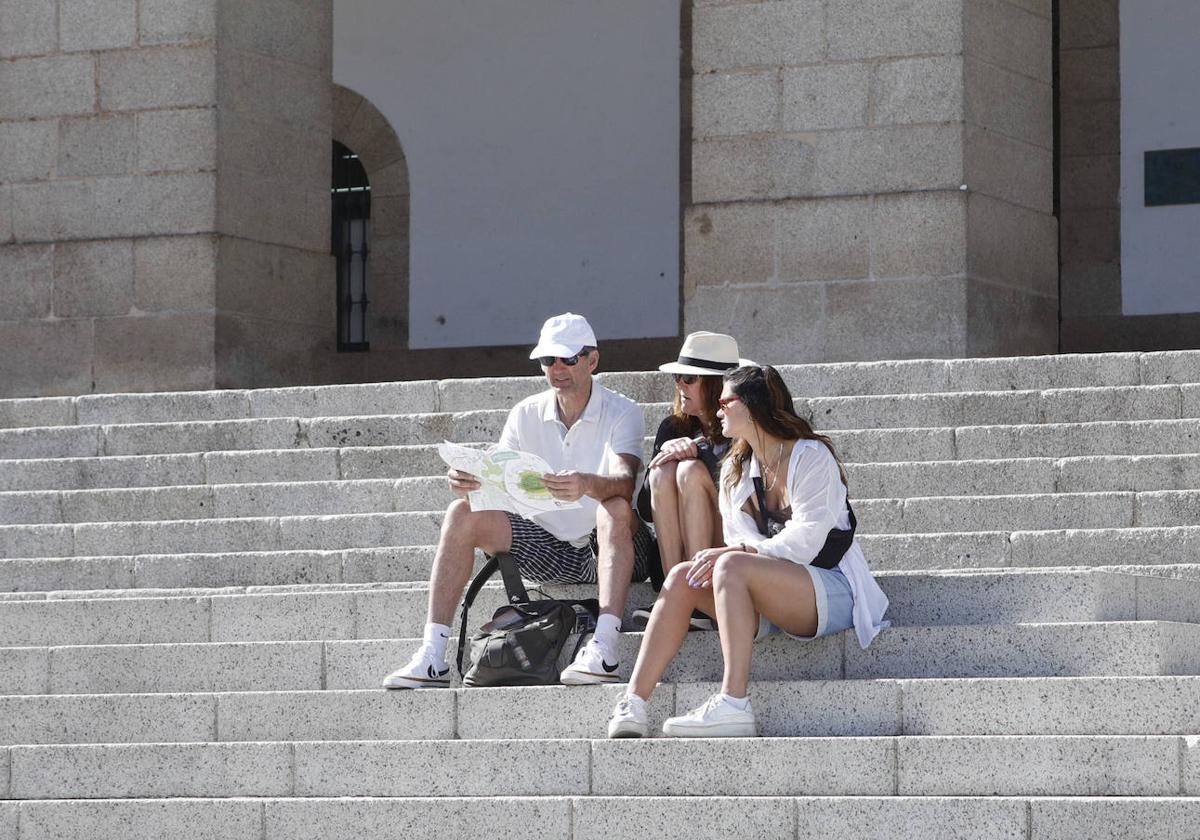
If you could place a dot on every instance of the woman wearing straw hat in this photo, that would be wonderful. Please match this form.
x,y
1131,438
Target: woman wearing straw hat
x,y
680,493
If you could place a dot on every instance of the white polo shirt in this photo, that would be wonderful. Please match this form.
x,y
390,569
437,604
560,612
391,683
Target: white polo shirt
x,y
611,425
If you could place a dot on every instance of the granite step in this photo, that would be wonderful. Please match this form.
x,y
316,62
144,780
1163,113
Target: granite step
x,y
831,380
977,441
923,515
1006,765
173,571
821,708
340,611
1147,542
384,494
898,479
1137,648
1173,551
608,818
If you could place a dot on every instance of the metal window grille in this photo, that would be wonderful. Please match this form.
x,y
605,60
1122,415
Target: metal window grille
x,y
351,237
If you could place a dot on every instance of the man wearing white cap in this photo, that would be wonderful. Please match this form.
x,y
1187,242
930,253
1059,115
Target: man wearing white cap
x,y
592,437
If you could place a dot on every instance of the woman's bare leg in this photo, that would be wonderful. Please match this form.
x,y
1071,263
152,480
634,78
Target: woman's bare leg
x,y
698,512
664,502
746,585
667,628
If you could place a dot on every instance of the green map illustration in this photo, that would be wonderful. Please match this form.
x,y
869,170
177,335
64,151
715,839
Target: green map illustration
x,y
531,482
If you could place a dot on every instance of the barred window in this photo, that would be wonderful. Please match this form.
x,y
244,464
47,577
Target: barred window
x,y
351,246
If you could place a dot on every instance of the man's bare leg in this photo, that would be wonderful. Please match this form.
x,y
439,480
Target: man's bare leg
x,y
596,661
463,530
615,526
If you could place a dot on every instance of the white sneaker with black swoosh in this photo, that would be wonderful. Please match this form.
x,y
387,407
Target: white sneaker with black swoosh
x,y
424,670
593,665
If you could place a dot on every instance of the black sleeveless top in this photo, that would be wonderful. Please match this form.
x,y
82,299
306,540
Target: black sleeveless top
x,y
771,522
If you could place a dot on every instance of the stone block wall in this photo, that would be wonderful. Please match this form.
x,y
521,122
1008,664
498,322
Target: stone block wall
x,y
1090,183
164,194
861,173
106,270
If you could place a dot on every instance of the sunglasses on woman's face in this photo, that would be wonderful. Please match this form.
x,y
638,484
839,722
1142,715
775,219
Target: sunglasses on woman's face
x,y
728,401
686,378
569,361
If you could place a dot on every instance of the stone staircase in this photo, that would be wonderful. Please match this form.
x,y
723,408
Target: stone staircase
x,y
200,592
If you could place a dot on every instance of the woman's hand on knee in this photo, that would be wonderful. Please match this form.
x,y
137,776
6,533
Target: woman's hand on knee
x,y
700,573
679,449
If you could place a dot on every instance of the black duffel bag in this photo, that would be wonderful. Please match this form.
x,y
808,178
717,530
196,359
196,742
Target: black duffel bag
x,y
523,642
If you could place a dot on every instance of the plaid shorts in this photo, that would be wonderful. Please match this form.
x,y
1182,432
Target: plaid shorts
x,y
544,558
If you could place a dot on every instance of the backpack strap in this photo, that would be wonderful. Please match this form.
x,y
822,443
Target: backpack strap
x,y
760,511
512,585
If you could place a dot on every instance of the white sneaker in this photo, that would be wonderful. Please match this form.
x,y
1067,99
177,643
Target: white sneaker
x,y
593,665
715,719
424,670
628,719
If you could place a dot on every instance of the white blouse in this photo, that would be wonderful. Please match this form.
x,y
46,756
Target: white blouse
x,y
818,500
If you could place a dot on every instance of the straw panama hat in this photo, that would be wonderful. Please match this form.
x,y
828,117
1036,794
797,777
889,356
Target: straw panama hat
x,y
706,354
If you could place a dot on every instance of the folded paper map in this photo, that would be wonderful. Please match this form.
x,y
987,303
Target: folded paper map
x,y
509,480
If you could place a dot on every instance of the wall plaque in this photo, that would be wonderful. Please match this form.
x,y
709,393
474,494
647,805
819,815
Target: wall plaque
x,y
1172,177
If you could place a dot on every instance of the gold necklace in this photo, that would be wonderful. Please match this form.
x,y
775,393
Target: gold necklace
x,y
774,471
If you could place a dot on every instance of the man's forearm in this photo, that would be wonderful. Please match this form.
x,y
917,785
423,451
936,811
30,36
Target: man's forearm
x,y
603,487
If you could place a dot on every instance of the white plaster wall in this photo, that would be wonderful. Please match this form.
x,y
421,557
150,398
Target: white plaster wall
x,y
542,139
1160,70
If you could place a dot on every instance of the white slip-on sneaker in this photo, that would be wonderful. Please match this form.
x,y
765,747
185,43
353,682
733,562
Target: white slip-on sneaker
x,y
424,670
714,719
593,665
629,719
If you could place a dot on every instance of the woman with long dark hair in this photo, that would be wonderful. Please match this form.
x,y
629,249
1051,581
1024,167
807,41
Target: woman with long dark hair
x,y
789,563
680,493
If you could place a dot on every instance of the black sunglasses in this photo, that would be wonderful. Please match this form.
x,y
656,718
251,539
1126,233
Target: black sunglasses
x,y
569,361
686,378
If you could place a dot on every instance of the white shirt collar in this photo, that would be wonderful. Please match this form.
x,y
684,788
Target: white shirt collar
x,y
591,411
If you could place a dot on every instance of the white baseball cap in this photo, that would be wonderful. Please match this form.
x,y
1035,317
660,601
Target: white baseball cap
x,y
564,335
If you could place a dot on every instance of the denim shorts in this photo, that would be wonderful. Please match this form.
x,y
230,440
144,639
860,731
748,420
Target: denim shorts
x,y
835,605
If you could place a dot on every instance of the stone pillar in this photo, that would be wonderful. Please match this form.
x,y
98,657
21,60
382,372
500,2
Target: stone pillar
x,y
275,293
872,179
107,195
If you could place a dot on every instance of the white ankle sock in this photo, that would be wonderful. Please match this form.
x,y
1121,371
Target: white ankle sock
x,y
607,628
739,703
436,636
